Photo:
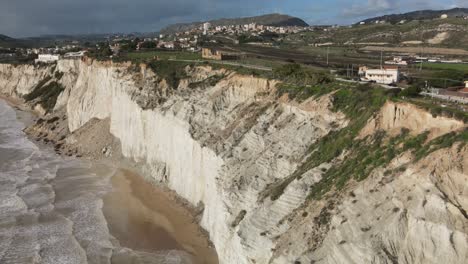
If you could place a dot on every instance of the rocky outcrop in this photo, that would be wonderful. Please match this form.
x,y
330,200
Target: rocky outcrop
x,y
396,116
219,139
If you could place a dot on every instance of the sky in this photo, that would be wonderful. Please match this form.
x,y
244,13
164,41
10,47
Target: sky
x,y
24,18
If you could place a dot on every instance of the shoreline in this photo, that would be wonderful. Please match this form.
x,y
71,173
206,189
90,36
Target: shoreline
x,y
180,229
151,220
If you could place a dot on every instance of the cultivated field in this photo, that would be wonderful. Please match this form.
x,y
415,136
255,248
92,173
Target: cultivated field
x,y
418,50
164,55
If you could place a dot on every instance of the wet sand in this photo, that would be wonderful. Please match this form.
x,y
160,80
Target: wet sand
x,y
140,216
145,218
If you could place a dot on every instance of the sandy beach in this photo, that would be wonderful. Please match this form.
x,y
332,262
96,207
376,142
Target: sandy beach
x,y
147,222
145,218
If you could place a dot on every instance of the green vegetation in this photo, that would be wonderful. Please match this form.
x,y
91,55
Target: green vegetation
x,y
299,75
438,78
441,142
171,71
363,156
301,83
141,56
208,82
46,94
359,104
412,91
241,70
436,109
444,66
102,52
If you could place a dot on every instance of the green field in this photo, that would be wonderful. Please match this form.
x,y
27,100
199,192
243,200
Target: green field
x,y
445,66
149,55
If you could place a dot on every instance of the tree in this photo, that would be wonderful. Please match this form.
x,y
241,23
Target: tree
x,y
412,91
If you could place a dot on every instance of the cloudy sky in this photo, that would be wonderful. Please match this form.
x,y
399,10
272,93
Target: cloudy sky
x,y
21,18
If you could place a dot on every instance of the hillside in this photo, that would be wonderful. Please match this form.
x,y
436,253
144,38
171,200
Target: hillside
x,y
419,15
7,42
439,33
267,20
283,172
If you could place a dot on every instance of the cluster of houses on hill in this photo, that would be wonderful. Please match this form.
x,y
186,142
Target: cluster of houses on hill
x,y
207,29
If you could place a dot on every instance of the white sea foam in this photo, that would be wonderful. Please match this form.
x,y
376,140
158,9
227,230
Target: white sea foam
x,y
51,208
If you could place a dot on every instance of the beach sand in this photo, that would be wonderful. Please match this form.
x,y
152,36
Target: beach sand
x,y
146,218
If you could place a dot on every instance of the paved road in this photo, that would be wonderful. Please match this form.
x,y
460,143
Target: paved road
x,y
454,99
361,82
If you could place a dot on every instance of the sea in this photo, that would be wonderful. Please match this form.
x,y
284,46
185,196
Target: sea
x,y
52,208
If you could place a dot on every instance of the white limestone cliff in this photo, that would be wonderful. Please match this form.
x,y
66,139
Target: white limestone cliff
x,y
222,145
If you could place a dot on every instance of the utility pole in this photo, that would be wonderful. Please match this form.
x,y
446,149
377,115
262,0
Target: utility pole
x,y
421,66
328,52
381,59
422,51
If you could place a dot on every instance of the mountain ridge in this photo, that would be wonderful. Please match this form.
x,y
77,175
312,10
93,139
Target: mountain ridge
x,y
418,15
274,19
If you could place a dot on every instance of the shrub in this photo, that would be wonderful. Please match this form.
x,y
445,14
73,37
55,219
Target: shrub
x,y
46,95
171,71
412,91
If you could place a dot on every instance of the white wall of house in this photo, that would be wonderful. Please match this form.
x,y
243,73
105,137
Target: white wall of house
x,y
384,76
47,58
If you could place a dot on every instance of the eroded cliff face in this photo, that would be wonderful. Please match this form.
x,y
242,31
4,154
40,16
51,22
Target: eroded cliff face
x,y
221,139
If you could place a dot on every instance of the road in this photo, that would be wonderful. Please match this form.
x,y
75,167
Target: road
x,y
361,82
454,99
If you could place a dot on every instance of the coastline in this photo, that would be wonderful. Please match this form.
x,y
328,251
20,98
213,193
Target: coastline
x,y
169,222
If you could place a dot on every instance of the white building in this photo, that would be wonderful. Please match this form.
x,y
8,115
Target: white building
x,y
47,58
397,61
444,16
206,27
384,76
74,55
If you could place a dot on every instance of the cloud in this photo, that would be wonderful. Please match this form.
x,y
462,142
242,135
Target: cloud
x,y
33,17
379,7
20,18
372,7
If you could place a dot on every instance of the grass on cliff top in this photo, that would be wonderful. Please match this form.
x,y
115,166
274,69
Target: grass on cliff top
x,y
171,71
162,55
435,107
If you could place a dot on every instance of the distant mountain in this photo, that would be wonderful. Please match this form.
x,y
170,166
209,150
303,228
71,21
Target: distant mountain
x,y
5,38
267,20
8,42
419,15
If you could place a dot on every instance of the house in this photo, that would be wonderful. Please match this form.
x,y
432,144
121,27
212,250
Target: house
x,y
220,54
206,28
74,55
466,84
47,58
386,75
397,61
